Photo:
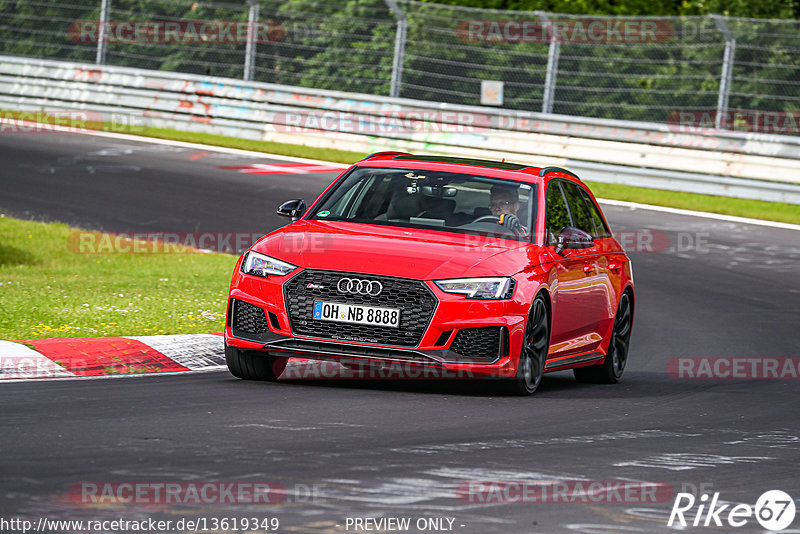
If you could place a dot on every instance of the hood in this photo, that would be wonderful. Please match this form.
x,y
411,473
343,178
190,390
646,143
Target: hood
x,y
394,251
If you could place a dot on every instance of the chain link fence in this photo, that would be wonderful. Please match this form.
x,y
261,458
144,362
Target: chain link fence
x,y
712,71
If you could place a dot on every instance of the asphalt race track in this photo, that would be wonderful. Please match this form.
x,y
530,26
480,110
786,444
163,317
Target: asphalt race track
x,y
381,448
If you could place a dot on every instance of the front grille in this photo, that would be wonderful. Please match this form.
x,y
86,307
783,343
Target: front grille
x,y
482,342
248,318
415,301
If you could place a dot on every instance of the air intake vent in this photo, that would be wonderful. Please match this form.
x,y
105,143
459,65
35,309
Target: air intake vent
x,y
273,320
248,318
480,343
442,341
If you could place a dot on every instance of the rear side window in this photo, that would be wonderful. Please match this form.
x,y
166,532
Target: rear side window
x,y
556,215
601,230
581,216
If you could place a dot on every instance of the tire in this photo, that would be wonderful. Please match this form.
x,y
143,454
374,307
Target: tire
x,y
533,354
253,365
610,371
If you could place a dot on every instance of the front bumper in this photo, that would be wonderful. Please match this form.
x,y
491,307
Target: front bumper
x,y
456,326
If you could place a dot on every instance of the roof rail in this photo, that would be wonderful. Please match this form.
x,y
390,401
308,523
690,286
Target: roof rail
x,y
548,170
387,153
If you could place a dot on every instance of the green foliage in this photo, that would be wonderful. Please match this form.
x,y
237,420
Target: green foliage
x,y
348,45
777,9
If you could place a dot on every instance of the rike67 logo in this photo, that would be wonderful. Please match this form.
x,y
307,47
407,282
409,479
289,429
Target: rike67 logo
x,y
774,510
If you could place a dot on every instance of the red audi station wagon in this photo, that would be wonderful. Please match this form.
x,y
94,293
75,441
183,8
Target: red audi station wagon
x,y
490,269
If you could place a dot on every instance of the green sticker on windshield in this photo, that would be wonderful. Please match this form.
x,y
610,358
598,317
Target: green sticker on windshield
x,y
324,213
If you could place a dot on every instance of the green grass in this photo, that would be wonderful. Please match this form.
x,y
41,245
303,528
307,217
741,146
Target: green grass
x,y
49,290
757,209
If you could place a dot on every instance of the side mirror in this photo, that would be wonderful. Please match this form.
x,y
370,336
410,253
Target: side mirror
x,y
292,208
571,237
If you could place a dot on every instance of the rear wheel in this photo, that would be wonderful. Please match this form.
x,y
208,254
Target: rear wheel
x,y
610,371
533,355
253,365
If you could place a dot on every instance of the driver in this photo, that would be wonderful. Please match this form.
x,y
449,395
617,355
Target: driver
x,y
504,200
504,204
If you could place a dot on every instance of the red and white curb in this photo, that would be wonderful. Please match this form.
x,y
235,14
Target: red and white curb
x,y
105,357
110,356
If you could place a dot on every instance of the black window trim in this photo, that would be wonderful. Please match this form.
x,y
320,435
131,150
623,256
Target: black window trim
x,y
606,231
571,218
532,201
556,181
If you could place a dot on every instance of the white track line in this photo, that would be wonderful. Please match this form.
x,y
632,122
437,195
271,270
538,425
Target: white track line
x,y
707,215
184,144
251,153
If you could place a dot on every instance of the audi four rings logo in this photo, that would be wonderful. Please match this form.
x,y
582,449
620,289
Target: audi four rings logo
x,y
359,287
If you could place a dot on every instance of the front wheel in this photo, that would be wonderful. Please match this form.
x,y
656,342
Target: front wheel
x,y
253,365
533,355
610,371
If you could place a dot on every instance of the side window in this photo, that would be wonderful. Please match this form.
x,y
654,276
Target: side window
x,y
581,216
601,230
556,216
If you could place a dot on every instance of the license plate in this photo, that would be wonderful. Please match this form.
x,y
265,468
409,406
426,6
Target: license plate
x,y
353,313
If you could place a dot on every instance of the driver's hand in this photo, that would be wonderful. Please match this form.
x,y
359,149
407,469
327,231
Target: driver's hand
x,y
512,223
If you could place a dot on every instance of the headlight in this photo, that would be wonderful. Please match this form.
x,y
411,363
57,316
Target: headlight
x,y
260,265
479,288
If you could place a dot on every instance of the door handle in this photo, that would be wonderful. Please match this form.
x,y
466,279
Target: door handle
x,y
614,266
588,268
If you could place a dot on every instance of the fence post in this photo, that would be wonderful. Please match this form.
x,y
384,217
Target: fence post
x,y
727,70
399,48
102,32
553,54
250,49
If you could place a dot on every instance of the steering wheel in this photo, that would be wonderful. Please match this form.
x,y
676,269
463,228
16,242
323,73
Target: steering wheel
x,y
508,221
487,218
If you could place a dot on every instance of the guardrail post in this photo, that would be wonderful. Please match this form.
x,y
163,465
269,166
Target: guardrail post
x,y
553,54
727,70
250,49
399,48
102,32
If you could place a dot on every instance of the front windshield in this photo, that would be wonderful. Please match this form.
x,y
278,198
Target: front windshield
x,y
434,200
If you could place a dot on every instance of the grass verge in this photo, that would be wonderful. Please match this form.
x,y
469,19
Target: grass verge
x,y
740,207
50,291
756,209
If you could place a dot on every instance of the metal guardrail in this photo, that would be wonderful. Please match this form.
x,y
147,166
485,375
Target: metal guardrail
x,y
758,166
611,67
